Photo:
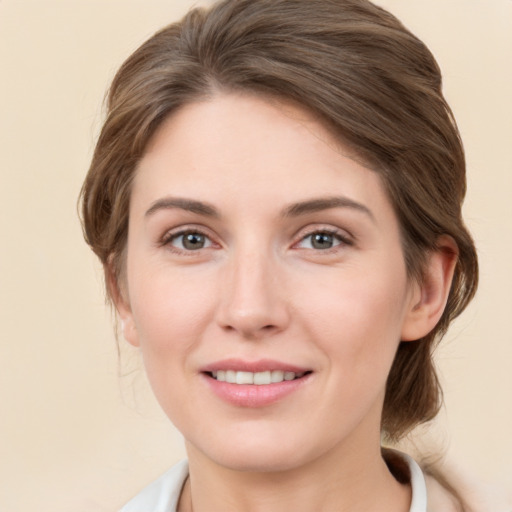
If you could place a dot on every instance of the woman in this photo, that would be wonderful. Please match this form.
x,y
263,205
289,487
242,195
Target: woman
x,y
276,199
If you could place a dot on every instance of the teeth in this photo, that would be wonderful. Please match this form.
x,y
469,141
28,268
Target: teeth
x,y
261,378
277,376
244,378
257,378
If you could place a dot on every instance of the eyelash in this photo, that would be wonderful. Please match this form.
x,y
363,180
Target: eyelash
x,y
169,237
341,237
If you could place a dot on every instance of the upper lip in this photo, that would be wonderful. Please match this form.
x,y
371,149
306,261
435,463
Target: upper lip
x,y
261,365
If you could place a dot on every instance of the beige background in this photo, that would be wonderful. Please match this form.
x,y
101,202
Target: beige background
x,y
74,435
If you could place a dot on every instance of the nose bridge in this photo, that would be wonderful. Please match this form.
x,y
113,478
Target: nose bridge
x,y
252,302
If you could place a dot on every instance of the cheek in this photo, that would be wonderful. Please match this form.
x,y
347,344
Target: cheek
x,y
358,318
171,315
171,310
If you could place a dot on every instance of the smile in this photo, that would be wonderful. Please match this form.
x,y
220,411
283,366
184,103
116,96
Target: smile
x,y
255,384
256,378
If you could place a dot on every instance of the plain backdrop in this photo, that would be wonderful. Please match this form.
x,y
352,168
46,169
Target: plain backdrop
x,y
79,429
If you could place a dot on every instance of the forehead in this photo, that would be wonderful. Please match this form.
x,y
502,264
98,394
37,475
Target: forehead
x,y
252,148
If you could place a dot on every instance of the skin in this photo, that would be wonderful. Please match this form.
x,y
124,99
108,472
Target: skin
x,y
260,288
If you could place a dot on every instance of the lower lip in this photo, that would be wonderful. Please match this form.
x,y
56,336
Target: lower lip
x,y
251,395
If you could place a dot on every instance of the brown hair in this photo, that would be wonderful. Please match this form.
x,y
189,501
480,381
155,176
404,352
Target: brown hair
x,y
374,84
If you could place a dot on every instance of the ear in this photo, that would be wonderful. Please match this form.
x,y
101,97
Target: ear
x,y
429,297
119,295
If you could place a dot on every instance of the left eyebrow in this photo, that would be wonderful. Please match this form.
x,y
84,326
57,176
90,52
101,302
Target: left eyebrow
x,y
325,203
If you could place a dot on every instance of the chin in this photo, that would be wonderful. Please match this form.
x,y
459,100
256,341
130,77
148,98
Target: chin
x,y
258,454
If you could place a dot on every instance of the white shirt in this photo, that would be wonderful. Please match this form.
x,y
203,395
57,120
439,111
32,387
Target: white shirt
x,y
163,494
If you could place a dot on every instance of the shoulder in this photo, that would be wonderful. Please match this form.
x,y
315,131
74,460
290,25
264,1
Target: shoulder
x,y
476,496
163,494
439,498
446,489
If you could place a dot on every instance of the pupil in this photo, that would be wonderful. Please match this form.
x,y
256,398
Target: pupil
x,y
193,241
322,241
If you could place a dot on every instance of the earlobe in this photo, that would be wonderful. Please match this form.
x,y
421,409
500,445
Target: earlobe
x,y
121,302
429,297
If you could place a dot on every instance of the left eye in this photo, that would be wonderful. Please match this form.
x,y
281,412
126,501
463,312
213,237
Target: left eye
x,y
190,241
320,240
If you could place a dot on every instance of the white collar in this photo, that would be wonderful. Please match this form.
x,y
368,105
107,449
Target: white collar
x,y
418,485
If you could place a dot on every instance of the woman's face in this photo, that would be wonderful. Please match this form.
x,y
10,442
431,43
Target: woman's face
x,y
258,251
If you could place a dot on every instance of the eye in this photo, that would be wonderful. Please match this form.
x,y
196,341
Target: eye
x,y
188,241
322,240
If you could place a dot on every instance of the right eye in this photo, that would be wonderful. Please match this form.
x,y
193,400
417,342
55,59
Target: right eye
x,y
188,241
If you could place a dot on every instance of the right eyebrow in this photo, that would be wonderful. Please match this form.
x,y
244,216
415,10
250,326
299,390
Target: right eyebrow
x,y
189,205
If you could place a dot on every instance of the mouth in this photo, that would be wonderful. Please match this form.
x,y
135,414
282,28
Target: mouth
x,y
262,378
255,384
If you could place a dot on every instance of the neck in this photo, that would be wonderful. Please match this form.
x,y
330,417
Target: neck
x,y
355,481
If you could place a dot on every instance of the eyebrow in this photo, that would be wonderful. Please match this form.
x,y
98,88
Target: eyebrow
x,y
293,210
189,205
325,203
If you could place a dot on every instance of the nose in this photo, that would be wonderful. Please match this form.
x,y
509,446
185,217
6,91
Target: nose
x,y
253,300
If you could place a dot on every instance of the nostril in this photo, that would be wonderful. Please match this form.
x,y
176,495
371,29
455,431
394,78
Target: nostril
x,y
252,331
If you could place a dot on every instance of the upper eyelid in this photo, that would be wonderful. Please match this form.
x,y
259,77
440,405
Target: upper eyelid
x,y
324,228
